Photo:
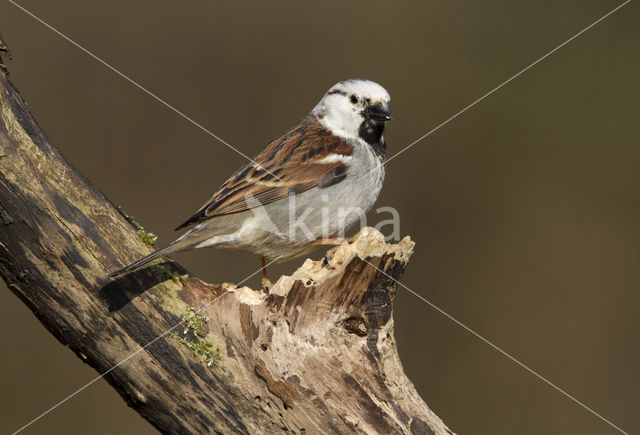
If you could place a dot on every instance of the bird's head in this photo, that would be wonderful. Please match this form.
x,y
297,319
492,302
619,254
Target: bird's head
x,y
355,108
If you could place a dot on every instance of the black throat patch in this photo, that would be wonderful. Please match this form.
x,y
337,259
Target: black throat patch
x,y
371,132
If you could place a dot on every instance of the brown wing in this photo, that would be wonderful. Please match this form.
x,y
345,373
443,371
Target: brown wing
x,y
291,163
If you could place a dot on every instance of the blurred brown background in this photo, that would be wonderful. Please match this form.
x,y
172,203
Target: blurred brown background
x,y
525,209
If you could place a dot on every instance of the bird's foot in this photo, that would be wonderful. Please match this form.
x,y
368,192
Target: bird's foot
x,y
327,261
266,284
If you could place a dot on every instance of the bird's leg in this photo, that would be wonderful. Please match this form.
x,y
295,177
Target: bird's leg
x,y
264,281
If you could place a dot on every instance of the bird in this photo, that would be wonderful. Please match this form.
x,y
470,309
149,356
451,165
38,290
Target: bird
x,y
304,189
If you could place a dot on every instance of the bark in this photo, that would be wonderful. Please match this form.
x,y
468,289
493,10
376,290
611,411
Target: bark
x,y
316,355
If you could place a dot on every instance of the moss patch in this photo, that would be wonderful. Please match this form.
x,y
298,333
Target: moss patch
x,y
200,347
146,237
165,273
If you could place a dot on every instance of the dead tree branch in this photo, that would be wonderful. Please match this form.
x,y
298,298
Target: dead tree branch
x,y
317,355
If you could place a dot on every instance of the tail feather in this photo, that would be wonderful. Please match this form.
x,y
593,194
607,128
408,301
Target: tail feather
x,y
177,245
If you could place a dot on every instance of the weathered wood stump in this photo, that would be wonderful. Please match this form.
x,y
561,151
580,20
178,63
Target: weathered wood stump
x,y
316,355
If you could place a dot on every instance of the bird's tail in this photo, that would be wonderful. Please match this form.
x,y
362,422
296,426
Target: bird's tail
x,y
178,245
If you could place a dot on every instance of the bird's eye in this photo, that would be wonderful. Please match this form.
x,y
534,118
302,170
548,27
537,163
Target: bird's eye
x,y
354,99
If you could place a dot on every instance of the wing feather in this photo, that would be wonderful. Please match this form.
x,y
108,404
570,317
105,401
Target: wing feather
x,y
304,157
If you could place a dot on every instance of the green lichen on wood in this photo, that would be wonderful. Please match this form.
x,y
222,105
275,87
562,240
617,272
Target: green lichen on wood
x,y
166,273
146,237
200,347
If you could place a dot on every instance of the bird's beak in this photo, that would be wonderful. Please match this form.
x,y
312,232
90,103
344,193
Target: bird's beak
x,y
378,112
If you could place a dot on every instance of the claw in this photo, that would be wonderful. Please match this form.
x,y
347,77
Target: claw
x,y
327,260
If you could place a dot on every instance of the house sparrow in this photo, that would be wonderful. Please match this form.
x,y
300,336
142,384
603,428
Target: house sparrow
x,y
305,188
